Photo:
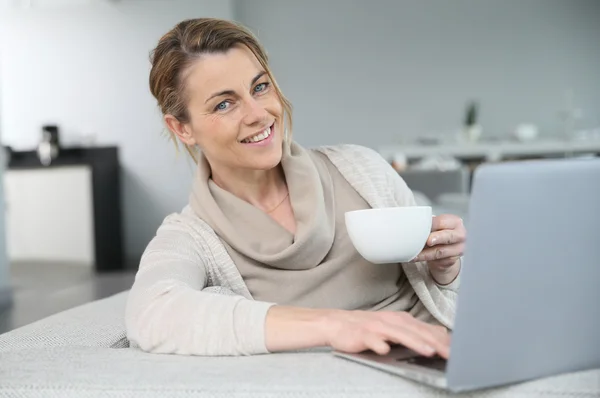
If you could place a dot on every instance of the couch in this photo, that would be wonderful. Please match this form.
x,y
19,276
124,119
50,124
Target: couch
x,y
84,352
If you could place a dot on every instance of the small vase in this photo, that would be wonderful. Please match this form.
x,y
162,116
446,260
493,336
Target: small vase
x,y
472,133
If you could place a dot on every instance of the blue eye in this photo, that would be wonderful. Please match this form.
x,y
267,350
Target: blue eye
x,y
222,106
260,87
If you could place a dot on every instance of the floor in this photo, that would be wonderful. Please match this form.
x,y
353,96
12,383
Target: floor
x,y
40,290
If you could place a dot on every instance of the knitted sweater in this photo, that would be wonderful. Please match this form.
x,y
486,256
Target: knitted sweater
x,y
189,298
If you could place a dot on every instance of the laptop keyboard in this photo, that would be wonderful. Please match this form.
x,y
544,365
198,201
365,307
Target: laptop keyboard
x,y
437,363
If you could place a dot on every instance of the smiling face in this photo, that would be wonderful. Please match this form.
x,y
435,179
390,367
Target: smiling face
x,y
235,115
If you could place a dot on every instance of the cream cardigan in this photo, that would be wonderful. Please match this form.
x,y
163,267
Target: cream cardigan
x,y
189,298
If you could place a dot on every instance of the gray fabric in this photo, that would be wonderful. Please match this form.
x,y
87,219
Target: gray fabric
x,y
97,324
89,372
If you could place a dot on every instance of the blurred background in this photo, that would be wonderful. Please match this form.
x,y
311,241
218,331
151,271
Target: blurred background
x,y
437,87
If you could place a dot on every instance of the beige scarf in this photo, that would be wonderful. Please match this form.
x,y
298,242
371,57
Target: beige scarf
x,y
245,227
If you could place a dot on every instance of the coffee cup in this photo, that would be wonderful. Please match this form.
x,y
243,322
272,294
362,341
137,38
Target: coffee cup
x,y
389,235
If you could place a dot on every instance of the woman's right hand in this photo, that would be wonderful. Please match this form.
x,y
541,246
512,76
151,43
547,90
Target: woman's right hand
x,y
356,331
289,328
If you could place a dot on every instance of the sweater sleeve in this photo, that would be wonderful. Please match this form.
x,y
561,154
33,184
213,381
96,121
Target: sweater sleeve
x,y
170,310
437,303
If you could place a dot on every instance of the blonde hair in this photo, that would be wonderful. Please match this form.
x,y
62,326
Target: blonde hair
x,y
184,44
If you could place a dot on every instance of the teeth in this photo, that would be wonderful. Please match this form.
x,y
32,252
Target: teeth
x,y
259,137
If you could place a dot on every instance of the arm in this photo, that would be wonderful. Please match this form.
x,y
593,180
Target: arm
x,y
370,174
167,311
437,287
437,293
289,328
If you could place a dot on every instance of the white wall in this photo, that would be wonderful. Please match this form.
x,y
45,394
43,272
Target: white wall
x,y
373,72
85,67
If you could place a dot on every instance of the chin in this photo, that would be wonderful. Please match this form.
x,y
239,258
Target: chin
x,y
271,159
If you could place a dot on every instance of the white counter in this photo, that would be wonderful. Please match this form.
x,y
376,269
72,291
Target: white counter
x,y
494,150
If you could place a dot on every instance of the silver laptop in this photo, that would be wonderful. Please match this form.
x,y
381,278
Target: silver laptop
x,y
529,301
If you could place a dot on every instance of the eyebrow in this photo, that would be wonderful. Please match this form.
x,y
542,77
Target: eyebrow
x,y
231,92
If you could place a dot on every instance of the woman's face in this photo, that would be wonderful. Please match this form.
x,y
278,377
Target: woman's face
x,y
235,113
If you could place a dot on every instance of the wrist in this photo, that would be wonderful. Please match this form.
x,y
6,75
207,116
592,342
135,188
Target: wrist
x,y
290,328
445,275
329,325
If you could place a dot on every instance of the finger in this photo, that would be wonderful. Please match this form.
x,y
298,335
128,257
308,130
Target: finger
x,y
445,221
411,340
398,332
440,252
446,237
376,344
441,333
436,336
415,330
443,263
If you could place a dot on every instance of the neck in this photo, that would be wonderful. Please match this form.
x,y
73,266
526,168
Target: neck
x,y
261,188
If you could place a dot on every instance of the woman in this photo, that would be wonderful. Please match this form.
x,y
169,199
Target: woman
x,y
260,261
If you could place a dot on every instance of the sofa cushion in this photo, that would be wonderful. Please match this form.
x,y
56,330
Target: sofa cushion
x,y
94,372
96,324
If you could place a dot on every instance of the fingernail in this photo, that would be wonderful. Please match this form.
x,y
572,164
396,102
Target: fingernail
x,y
433,241
429,349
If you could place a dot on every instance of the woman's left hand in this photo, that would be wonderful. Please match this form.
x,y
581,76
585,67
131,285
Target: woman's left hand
x,y
444,247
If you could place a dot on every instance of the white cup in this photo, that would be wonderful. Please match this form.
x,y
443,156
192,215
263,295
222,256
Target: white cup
x,y
389,235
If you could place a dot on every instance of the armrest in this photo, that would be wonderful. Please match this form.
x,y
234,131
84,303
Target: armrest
x,y
97,324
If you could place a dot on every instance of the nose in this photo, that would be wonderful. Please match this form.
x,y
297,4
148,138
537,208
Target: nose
x,y
255,113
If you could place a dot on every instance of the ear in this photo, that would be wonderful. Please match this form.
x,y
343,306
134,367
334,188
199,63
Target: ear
x,y
181,130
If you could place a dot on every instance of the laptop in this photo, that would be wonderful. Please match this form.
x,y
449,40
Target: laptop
x,y
529,300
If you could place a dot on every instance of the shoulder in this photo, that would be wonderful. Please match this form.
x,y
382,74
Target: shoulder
x,y
358,159
183,232
352,153
371,174
183,221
